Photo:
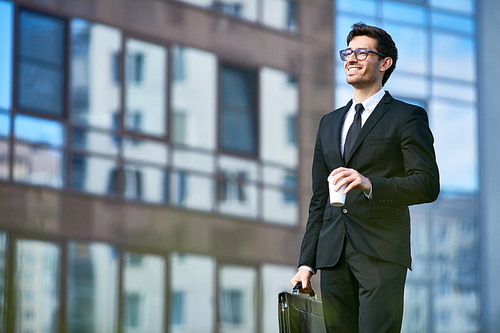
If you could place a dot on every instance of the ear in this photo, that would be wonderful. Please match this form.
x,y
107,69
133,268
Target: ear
x,y
386,64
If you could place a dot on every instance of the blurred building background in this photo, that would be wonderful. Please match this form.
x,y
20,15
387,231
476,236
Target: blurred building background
x,y
155,158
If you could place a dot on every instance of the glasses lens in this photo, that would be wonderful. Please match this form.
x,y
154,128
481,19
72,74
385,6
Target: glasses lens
x,y
362,54
344,54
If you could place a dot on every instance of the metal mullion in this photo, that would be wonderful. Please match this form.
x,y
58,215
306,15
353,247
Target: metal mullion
x,y
63,286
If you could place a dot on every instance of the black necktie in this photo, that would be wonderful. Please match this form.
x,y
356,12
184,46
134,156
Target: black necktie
x,y
353,130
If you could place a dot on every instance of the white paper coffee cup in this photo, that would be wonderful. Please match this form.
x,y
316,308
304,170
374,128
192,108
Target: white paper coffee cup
x,y
337,198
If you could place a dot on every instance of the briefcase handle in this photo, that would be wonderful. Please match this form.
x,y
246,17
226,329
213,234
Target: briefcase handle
x,y
297,287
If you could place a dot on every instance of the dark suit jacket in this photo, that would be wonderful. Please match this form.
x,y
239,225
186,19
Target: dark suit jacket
x,y
395,151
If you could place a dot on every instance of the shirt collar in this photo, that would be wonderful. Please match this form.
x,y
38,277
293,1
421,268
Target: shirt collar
x,y
370,103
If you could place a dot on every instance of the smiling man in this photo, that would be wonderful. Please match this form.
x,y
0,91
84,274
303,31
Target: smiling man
x,y
382,149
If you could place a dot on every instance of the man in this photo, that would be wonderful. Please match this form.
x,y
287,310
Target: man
x,y
388,163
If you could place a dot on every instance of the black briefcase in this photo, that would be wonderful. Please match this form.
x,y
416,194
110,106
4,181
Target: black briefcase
x,y
300,314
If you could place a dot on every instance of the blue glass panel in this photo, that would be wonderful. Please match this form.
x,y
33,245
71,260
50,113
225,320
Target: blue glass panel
x,y
95,175
466,6
6,33
453,22
412,47
404,12
39,131
464,56
365,7
4,124
41,63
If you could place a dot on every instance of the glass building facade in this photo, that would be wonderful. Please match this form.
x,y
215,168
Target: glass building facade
x,y
155,158
443,289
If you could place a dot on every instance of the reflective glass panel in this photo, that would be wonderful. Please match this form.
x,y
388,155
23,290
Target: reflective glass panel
x,y
237,286
3,283
41,63
237,194
281,14
94,174
458,237
145,150
279,177
39,131
412,48
279,104
274,279
398,85
416,316
238,117
280,206
95,74
38,165
453,22
191,160
4,124
456,307
194,97
191,191
403,12
144,293
4,159
461,91
94,141
144,183
192,293
246,9
36,282
205,3
464,57
454,128
6,42
145,87
239,167
467,6
92,288
365,7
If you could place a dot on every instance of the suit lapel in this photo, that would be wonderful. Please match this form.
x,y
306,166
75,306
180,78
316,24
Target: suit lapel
x,y
377,113
336,128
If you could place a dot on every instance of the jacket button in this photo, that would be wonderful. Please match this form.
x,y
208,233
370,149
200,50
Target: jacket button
x,y
345,211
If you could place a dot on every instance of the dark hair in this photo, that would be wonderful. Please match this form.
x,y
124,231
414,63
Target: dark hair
x,y
385,44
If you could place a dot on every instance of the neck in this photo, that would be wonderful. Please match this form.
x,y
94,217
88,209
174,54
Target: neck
x,y
361,95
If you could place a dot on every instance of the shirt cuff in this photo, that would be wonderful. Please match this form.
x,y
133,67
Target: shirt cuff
x,y
308,268
369,195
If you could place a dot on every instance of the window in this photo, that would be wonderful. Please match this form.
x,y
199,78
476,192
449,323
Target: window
x,y
238,116
132,307
44,285
192,283
232,307
144,290
237,298
41,63
145,88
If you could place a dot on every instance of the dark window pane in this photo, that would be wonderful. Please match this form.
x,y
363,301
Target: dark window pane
x,y
238,118
41,63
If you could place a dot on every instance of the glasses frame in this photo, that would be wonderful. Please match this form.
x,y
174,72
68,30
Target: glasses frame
x,y
356,54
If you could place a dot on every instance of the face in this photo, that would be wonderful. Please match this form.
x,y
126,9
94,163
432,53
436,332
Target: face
x,y
366,73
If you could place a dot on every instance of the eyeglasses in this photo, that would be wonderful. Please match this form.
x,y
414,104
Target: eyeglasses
x,y
360,54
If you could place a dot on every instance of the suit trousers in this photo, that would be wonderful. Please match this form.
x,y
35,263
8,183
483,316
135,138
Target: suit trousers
x,y
362,294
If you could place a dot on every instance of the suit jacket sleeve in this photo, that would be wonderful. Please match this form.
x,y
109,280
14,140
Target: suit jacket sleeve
x,y
320,172
421,181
